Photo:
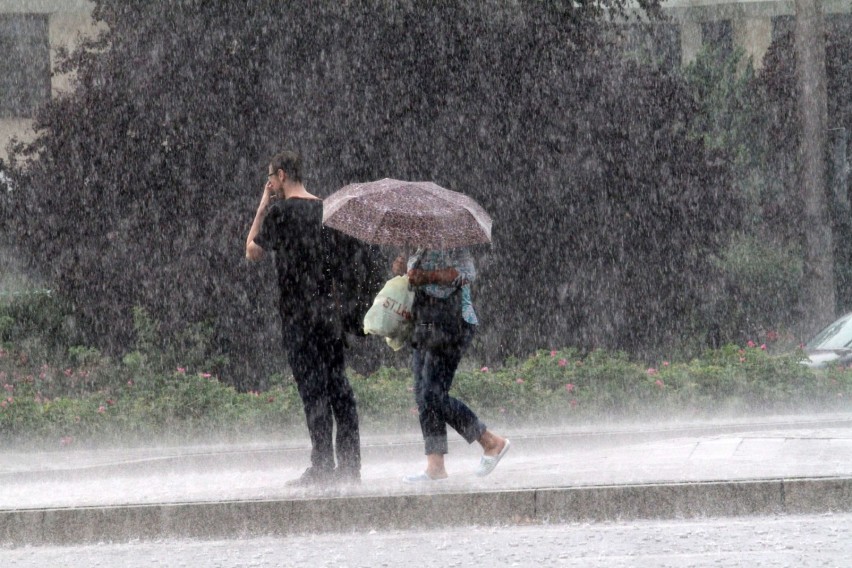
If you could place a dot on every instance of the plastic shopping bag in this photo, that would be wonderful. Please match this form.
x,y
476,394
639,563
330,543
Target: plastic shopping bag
x,y
390,314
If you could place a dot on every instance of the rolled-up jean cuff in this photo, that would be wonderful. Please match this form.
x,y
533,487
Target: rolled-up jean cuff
x,y
474,433
435,445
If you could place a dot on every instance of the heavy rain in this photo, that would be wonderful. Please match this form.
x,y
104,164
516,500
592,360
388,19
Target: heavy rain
x,y
659,296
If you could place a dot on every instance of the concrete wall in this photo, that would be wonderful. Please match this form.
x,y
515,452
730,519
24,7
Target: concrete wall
x,y
67,20
751,21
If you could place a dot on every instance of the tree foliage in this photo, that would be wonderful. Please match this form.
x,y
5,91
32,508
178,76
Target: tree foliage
x,y
777,87
142,182
750,118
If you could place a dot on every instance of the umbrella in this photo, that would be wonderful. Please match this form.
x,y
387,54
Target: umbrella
x,y
406,213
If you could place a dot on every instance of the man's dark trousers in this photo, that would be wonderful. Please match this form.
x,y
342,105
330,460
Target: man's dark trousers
x,y
316,356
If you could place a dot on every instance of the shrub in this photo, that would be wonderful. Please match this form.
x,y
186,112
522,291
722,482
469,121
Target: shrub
x,y
88,397
35,319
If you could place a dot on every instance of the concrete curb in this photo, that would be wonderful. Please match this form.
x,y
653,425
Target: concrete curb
x,y
230,519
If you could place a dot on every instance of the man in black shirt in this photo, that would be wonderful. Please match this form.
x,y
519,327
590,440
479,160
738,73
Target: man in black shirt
x,y
289,222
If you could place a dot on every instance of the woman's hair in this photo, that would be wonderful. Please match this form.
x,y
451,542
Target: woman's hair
x,y
290,162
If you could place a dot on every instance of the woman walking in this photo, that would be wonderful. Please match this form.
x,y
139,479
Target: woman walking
x,y
445,277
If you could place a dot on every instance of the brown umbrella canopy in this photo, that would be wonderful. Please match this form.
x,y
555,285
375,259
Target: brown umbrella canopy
x,y
407,213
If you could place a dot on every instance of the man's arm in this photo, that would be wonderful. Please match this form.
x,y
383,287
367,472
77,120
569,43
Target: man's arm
x,y
253,250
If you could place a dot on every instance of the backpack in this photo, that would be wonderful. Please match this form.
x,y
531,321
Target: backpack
x,y
357,271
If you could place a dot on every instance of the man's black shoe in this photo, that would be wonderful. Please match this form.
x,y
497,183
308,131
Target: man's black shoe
x,y
313,477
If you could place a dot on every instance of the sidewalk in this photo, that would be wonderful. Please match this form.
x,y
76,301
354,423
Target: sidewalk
x,y
793,464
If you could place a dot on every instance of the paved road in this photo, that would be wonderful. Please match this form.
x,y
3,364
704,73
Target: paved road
x,y
795,465
823,541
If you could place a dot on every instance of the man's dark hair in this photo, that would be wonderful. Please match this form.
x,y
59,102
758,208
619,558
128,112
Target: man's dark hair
x,y
290,162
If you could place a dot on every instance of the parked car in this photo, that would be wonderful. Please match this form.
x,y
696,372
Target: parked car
x,y
832,345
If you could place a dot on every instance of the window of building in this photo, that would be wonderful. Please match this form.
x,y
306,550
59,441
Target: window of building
x,y
24,64
782,25
657,43
719,35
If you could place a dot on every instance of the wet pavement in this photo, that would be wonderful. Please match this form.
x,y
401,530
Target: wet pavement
x,y
795,541
760,466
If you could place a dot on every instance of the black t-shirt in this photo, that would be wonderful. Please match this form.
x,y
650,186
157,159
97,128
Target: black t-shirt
x,y
293,229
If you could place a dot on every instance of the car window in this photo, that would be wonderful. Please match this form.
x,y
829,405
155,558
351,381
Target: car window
x,y
838,335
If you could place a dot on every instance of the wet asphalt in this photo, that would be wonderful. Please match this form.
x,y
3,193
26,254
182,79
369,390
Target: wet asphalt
x,y
781,465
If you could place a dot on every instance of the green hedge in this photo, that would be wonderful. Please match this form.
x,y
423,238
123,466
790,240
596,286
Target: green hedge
x,y
93,399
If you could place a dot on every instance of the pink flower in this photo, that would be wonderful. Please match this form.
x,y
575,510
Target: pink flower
x,y
562,362
9,388
101,409
502,410
750,343
573,402
742,359
69,373
665,363
130,383
763,347
771,335
484,370
660,384
205,375
3,404
10,400
181,370
553,353
651,371
570,387
519,380
110,401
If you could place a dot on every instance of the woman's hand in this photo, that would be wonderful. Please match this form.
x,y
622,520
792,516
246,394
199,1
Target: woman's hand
x,y
444,276
417,277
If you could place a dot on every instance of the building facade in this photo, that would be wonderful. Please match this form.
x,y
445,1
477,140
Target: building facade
x,y
31,31
747,24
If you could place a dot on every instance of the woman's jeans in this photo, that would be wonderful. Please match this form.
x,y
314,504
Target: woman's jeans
x,y
433,376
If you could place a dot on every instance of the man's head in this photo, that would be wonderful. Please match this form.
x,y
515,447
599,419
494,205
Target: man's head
x,y
288,161
284,167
